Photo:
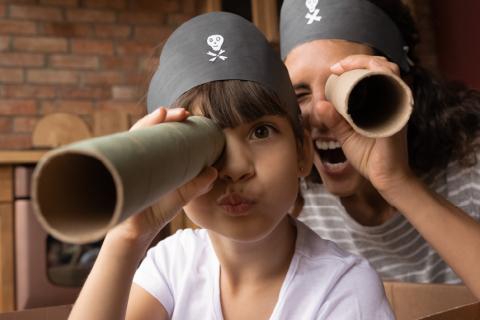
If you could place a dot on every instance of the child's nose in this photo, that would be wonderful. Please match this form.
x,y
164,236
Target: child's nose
x,y
237,164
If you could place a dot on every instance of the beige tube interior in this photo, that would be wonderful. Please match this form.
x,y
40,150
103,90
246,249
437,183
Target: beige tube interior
x,y
375,104
75,193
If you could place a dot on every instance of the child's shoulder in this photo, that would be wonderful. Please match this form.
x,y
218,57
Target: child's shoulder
x,y
326,272
318,253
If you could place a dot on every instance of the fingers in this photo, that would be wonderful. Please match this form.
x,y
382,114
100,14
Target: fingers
x,y
201,184
150,119
160,115
176,114
168,206
375,63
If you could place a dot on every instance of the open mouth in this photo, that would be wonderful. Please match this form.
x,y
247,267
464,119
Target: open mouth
x,y
330,153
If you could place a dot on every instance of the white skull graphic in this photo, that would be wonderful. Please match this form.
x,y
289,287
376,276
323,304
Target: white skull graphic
x,y
215,41
311,5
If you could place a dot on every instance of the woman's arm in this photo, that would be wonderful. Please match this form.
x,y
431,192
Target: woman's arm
x,y
384,161
450,231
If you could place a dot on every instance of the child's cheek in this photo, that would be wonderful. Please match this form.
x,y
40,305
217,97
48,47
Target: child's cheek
x,y
199,209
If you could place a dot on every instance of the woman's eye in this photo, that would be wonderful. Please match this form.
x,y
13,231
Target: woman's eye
x,y
262,132
301,96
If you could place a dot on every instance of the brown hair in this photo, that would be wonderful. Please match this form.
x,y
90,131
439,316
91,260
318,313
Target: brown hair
x,y
445,123
230,103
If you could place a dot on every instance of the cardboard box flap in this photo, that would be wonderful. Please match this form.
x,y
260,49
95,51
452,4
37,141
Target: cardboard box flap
x,y
468,312
409,301
416,300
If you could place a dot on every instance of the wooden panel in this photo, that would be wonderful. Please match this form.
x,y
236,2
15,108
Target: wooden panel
x,y
58,129
264,16
189,223
108,122
454,28
46,313
177,223
181,221
7,302
212,5
20,157
412,6
6,183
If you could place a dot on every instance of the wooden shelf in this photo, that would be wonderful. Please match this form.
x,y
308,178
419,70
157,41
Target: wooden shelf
x,y
20,157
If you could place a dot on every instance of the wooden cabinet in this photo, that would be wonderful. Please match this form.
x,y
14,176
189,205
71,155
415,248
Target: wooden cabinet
x,y
6,239
8,161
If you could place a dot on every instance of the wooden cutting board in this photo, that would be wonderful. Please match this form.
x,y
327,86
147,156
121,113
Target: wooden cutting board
x,y
58,129
108,122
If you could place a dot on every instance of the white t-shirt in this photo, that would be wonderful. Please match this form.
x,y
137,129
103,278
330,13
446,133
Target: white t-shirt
x,y
322,282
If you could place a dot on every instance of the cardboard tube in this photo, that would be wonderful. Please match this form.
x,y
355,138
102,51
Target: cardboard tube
x,y
82,190
375,104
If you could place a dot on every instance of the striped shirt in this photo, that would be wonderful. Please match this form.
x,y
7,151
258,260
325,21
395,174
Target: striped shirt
x,y
395,249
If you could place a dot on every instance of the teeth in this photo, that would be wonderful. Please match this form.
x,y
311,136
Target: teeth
x,y
326,145
335,165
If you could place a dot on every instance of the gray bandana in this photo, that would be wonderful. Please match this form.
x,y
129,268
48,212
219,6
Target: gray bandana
x,y
353,20
218,46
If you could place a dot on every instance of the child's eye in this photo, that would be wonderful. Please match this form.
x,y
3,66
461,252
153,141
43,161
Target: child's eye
x,y
262,132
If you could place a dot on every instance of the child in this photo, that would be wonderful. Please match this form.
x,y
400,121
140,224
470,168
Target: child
x,y
251,260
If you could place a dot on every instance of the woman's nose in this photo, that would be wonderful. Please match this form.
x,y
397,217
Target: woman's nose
x,y
236,163
319,110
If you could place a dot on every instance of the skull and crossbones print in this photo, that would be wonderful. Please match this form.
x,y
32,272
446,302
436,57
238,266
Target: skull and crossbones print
x,y
312,15
215,41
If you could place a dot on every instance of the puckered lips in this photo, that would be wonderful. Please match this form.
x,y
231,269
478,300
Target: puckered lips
x,y
235,204
331,155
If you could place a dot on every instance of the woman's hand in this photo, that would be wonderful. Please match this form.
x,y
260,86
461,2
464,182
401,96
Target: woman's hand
x,y
145,225
384,161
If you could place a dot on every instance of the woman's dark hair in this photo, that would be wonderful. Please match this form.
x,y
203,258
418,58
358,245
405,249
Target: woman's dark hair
x,y
445,123
230,103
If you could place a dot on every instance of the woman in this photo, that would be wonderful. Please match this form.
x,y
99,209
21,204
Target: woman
x,y
409,203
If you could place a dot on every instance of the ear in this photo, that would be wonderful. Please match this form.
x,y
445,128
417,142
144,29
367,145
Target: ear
x,y
305,157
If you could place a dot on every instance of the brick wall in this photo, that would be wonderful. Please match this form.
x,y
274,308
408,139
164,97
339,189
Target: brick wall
x,y
78,56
